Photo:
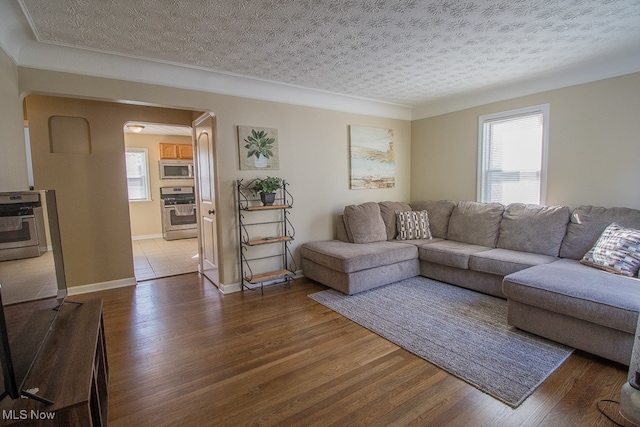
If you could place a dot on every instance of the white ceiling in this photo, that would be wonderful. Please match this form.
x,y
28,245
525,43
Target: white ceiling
x,y
159,129
399,52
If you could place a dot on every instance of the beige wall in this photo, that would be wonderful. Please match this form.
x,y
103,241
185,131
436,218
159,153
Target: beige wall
x,y
13,161
146,217
313,157
91,189
594,147
592,158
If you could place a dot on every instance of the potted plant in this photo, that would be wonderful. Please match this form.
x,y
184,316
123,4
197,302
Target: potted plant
x,y
266,187
260,146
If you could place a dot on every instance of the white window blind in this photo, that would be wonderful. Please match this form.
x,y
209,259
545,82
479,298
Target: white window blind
x,y
512,160
138,174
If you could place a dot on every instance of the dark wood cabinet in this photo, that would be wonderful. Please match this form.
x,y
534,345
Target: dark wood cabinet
x,y
71,371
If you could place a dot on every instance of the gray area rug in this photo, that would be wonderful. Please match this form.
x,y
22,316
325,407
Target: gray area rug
x,y
461,331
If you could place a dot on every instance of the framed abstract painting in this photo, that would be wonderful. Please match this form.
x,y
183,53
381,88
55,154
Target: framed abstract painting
x,y
372,158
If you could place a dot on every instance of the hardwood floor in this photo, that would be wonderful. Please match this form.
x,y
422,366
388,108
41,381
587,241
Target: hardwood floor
x,y
179,351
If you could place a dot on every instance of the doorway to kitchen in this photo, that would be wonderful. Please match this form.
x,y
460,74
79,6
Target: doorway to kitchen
x,y
161,192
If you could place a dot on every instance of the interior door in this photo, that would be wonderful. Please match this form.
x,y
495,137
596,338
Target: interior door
x,y
205,182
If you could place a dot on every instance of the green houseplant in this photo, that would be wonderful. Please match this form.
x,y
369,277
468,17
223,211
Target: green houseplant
x,y
266,187
260,146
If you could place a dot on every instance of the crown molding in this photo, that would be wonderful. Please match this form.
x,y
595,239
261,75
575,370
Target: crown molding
x,y
19,42
613,65
97,64
17,39
14,29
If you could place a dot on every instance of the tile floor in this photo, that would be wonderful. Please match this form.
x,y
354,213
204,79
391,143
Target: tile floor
x,y
28,278
31,278
154,258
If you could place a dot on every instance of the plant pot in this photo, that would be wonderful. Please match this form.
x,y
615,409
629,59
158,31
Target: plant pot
x,y
267,198
260,161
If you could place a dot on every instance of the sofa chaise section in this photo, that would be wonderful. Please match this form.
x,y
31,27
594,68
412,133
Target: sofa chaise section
x,y
352,268
576,305
365,254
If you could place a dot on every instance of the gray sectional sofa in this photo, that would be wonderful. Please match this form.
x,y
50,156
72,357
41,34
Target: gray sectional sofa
x,y
528,254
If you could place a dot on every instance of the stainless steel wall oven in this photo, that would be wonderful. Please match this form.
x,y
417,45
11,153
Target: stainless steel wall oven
x,y
22,230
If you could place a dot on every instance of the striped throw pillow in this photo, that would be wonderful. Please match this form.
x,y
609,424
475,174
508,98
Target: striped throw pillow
x,y
617,250
413,225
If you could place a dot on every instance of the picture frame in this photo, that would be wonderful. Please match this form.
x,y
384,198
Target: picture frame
x,y
258,148
372,158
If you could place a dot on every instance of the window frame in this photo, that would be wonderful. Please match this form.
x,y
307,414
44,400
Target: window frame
x,y
483,149
145,151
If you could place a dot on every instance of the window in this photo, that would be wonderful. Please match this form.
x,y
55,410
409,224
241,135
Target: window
x,y
512,156
138,174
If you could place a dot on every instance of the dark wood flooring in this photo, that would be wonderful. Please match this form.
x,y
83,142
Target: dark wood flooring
x,y
181,352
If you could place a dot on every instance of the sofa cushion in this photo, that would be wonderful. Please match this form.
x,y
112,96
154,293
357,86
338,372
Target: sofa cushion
x,y
413,225
420,242
439,213
617,251
364,223
449,253
475,223
588,223
350,257
341,229
579,291
388,213
504,261
533,228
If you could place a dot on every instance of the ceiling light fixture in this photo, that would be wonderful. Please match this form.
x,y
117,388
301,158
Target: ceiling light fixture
x,y
135,128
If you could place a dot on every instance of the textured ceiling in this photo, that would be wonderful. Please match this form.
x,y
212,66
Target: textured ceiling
x,y
399,51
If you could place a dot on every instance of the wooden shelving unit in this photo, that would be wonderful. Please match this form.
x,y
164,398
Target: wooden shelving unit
x,y
256,228
265,241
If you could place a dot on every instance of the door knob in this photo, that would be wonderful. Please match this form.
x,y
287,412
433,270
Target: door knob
x,y
211,211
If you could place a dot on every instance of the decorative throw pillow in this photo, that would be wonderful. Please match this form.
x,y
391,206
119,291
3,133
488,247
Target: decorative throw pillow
x,y
617,251
364,223
413,225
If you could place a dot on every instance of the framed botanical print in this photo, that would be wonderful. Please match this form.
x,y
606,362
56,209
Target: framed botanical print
x,y
258,148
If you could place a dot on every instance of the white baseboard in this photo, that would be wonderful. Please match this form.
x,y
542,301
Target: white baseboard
x,y
147,236
131,281
103,286
230,288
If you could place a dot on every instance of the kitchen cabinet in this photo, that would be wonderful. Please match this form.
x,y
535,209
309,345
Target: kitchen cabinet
x,y
176,151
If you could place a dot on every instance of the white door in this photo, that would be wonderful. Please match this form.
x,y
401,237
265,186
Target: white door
x,y
206,185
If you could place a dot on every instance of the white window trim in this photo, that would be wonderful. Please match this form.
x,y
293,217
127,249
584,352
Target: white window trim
x,y
542,108
146,153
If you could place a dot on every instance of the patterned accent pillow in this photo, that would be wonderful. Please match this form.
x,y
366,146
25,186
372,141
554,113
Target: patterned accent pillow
x,y
616,251
413,225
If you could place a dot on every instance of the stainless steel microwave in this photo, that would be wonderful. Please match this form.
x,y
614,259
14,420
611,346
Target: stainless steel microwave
x,y
176,169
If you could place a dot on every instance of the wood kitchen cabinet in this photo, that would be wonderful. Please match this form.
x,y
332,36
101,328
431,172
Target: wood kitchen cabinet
x,y
176,151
